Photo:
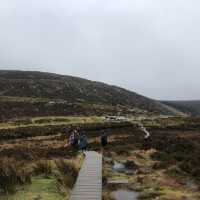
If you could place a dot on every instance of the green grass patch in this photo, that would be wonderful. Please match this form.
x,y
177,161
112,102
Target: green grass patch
x,y
50,180
41,188
44,121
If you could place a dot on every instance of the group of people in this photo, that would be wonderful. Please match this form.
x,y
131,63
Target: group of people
x,y
79,141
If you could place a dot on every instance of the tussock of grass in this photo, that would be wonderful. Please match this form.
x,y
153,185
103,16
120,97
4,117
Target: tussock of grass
x,y
43,167
12,174
68,171
50,179
107,196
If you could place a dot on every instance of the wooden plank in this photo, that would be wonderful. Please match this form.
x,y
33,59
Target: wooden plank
x,y
89,182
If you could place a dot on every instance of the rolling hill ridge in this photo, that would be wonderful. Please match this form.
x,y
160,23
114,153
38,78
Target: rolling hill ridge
x,y
188,107
26,92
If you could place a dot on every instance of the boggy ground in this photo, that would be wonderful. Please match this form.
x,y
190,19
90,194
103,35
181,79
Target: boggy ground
x,y
41,167
163,167
37,168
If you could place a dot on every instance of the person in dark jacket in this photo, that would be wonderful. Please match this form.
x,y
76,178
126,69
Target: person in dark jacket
x,y
104,139
76,139
83,143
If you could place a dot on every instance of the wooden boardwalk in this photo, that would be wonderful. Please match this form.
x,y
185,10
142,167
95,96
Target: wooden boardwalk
x,y
89,182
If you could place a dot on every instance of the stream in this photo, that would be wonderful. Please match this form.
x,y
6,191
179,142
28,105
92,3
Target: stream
x,y
119,167
124,195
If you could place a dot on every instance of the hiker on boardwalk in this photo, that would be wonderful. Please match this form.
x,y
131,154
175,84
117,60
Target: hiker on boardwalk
x,y
76,139
83,143
71,139
104,139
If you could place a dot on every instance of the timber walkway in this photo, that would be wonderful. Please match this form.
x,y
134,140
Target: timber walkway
x,y
89,182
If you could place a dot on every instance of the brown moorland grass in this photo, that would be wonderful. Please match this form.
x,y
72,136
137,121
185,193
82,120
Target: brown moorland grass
x,y
13,173
168,143
68,171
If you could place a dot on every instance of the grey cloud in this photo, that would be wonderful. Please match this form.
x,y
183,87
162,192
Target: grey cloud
x,y
148,46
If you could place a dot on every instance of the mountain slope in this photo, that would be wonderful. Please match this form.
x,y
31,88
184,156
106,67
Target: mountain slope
x,y
189,107
72,90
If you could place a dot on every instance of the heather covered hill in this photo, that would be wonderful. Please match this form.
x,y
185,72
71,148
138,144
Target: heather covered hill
x,y
35,91
189,107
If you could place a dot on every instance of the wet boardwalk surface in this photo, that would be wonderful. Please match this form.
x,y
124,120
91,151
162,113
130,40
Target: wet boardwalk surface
x,y
89,182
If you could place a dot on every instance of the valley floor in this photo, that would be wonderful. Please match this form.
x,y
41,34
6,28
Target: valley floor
x,y
163,167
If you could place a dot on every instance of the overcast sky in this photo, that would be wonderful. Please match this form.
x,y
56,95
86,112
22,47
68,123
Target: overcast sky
x,y
148,46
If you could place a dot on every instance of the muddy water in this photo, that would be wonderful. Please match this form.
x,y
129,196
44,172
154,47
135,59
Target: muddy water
x,y
124,195
119,167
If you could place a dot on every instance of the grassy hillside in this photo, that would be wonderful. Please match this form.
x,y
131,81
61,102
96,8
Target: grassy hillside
x,y
42,94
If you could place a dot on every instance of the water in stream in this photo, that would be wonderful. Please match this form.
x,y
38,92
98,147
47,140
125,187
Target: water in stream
x,y
124,195
119,167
